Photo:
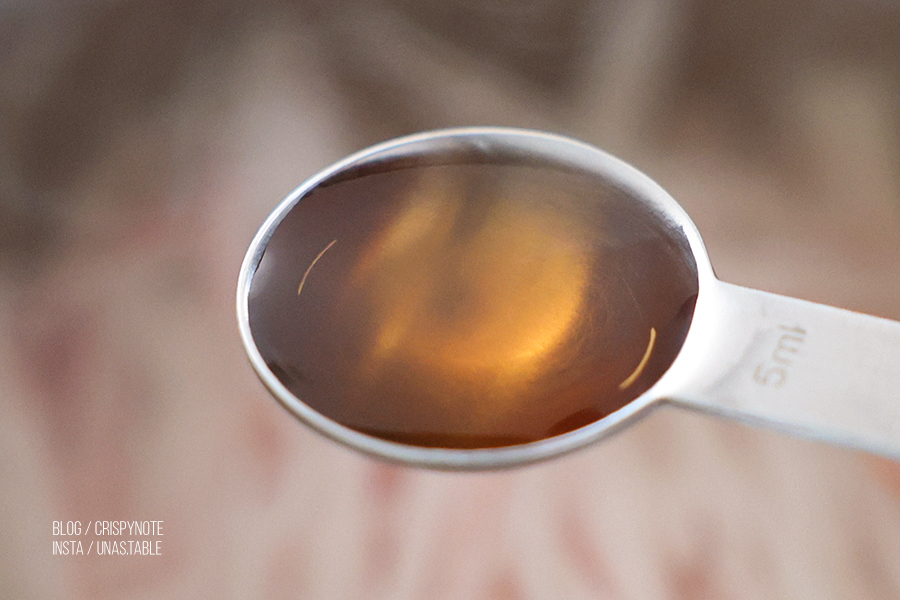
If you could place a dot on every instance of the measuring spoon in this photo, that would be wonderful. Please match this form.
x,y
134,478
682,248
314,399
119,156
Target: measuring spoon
x,y
488,297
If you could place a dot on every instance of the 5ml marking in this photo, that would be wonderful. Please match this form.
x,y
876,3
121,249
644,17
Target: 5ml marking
x,y
774,371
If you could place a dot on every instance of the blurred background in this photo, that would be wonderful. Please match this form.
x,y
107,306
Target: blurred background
x,y
142,143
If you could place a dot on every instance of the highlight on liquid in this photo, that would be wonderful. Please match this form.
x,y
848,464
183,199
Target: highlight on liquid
x,y
472,300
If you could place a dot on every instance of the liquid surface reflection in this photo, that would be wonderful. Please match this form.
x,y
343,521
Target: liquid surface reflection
x,y
471,304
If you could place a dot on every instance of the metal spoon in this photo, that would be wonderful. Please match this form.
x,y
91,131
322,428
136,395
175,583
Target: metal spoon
x,y
487,297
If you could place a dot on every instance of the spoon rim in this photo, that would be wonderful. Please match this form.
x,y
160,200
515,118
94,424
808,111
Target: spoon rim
x,y
540,144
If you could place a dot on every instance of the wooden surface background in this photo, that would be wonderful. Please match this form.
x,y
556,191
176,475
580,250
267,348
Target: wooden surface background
x,y
143,143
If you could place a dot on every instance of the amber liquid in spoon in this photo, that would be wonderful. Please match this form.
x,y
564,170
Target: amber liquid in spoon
x,y
474,304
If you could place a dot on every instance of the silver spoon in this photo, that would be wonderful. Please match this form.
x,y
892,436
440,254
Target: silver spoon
x,y
487,297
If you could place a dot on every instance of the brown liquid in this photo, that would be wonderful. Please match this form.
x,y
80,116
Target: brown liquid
x,y
474,304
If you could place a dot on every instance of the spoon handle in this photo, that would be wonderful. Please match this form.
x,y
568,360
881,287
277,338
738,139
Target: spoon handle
x,y
804,368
